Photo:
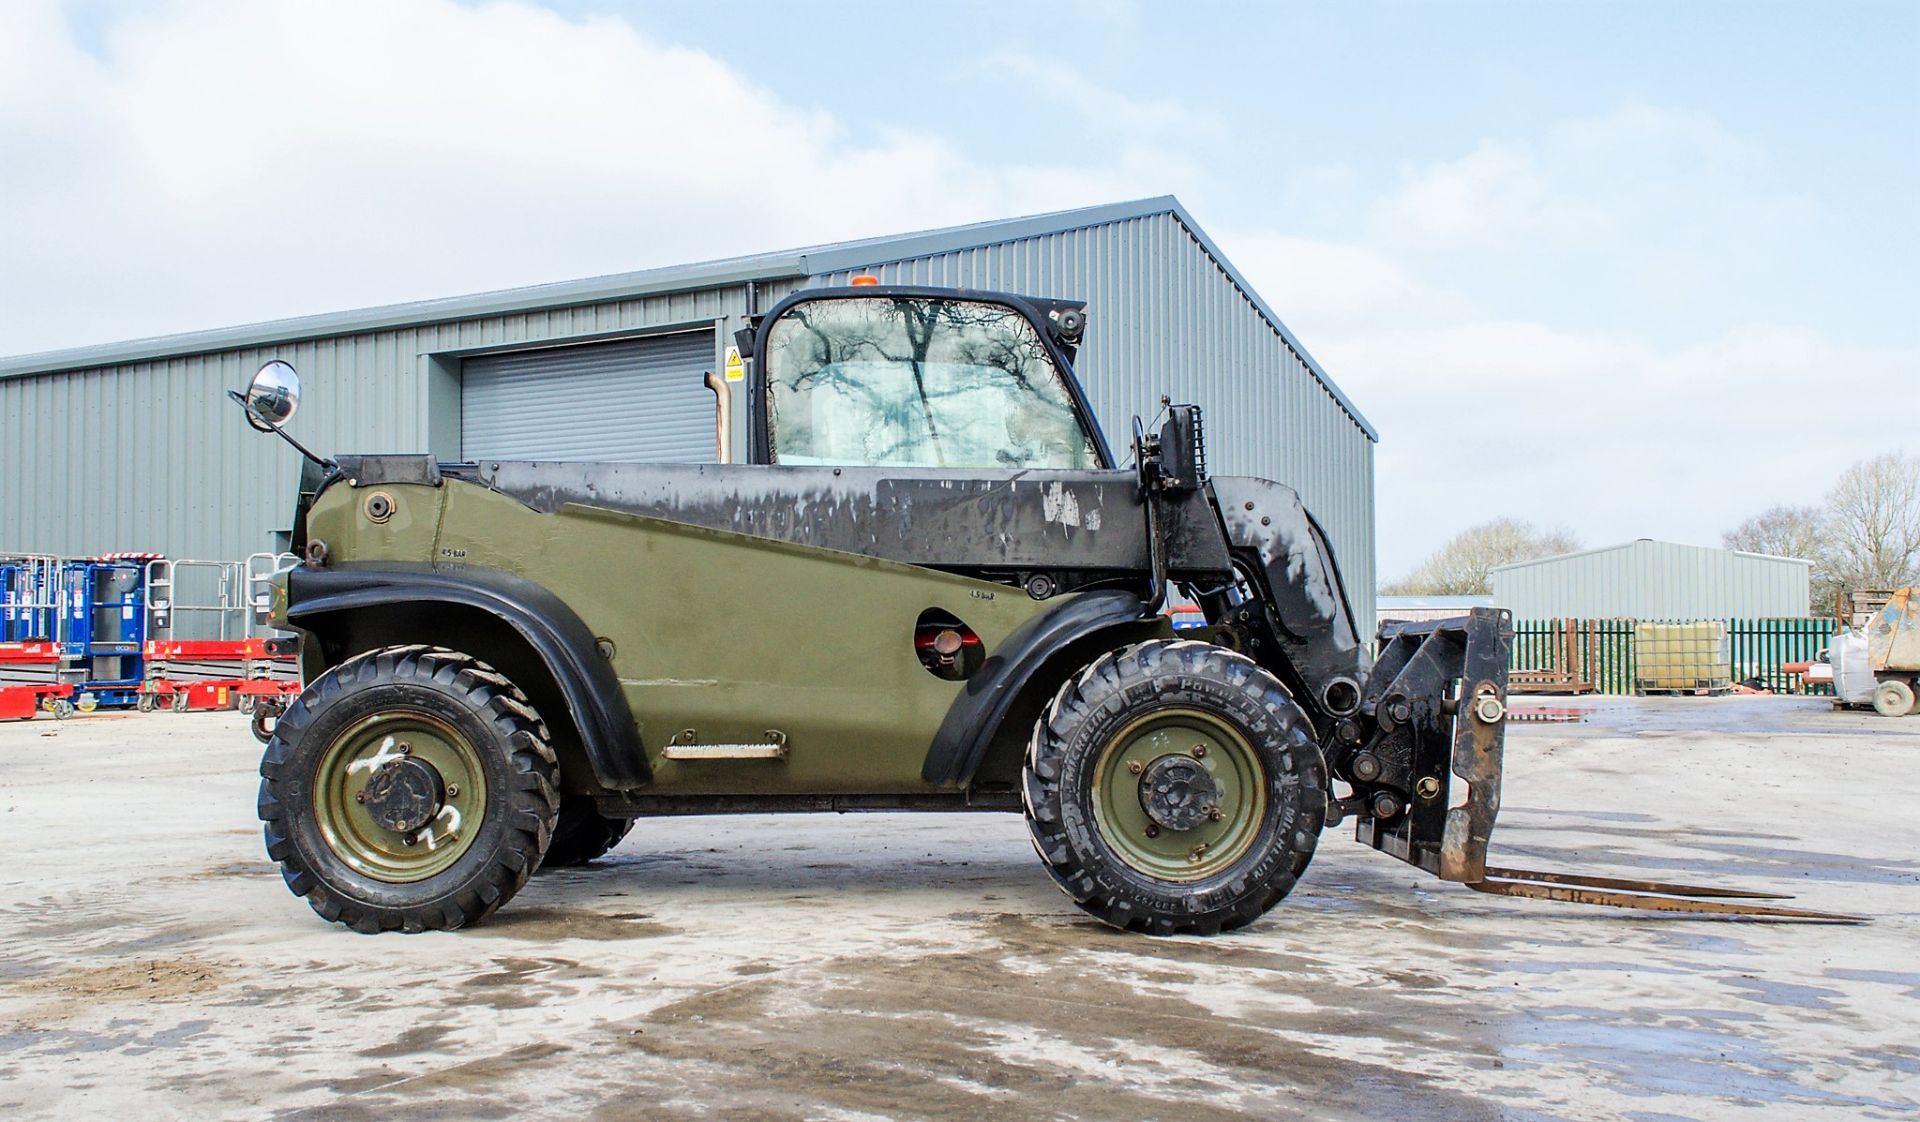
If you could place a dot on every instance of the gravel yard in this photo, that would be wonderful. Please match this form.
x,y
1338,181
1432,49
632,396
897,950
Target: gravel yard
x,y
923,966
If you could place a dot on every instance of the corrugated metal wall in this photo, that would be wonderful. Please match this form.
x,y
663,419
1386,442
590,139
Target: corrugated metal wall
x,y
1163,317
152,455
1654,581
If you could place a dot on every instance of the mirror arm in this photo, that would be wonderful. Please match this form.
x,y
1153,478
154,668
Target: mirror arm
x,y
240,399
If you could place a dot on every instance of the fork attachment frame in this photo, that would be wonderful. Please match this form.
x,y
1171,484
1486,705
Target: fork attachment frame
x,y
1437,701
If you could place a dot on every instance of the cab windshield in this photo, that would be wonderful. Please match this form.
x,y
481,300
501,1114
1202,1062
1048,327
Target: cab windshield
x,y
918,381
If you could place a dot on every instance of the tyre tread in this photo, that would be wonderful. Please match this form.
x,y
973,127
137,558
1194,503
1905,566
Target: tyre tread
x,y
532,794
1101,685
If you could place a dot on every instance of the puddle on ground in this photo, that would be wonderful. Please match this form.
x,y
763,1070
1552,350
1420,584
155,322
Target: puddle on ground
x,y
540,924
418,1039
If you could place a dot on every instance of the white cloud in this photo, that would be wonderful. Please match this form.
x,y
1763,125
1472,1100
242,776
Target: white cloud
x,y
223,163
1633,186
1495,189
1332,288
1605,433
1074,101
1548,325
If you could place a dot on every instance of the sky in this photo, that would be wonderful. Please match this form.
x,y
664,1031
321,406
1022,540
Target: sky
x,y
1633,270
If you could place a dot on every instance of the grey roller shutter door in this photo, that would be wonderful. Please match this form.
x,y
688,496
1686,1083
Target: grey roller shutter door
x,y
636,401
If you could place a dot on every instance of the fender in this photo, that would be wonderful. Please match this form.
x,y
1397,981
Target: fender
x,y
995,692
1304,606
557,636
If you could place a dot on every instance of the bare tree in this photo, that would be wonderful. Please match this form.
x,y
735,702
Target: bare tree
x,y
1793,531
1873,513
1460,567
1783,531
1865,535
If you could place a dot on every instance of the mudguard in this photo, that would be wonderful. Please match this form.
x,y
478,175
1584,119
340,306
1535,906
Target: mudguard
x,y
1000,688
564,644
1303,601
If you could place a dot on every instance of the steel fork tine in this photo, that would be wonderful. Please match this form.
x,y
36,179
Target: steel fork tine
x,y
1575,890
1662,887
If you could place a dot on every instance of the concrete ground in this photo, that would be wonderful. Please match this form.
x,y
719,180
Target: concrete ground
x,y
922,966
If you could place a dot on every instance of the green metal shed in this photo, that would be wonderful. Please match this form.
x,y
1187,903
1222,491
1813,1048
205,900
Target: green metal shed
x,y
132,446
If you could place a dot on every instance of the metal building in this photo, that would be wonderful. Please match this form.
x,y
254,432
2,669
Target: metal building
x,y
1653,580
1416,609
134,446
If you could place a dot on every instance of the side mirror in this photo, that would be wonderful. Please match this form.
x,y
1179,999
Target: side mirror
x,y
272,396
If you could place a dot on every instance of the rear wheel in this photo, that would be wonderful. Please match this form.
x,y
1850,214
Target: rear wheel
x,y
1174,787
1893,698
411,788
583,834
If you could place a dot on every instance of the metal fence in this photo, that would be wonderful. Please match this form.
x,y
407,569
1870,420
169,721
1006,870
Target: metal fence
x,y
1597,655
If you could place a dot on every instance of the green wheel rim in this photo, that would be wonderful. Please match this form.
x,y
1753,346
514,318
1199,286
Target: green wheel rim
x,y
349,828
1215,843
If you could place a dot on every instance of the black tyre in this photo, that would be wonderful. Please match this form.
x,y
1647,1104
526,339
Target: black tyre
x,y
1174,787
411,789
582,834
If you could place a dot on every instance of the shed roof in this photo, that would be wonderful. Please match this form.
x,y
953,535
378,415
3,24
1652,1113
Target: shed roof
x,y
1435,602
789,264
1639,541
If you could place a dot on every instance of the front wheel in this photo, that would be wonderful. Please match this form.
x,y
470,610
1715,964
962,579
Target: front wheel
x,y
1893,698
1174,787
411,788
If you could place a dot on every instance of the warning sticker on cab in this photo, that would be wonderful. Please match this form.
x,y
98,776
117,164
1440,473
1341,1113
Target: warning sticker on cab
x,y
736,370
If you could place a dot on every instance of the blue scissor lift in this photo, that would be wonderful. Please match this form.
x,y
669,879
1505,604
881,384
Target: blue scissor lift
x,y
104,620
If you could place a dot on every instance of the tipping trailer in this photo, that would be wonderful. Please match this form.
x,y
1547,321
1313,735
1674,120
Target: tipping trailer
x,y
1893,653
927,582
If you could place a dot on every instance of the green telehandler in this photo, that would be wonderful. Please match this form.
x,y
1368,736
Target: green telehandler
x,y
926,583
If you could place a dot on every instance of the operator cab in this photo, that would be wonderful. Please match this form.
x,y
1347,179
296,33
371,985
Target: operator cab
x,y
907,377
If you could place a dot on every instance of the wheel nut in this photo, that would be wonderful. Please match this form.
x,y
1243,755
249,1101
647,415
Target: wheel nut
x,y
361,797
1135,767
405,748
408,840
1199,751
1153,830
1215,814
453,790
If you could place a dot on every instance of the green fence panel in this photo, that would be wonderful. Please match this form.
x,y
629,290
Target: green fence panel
x,y
1600,651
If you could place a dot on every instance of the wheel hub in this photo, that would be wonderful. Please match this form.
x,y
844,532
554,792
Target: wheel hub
x,y
1178,793
405,794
